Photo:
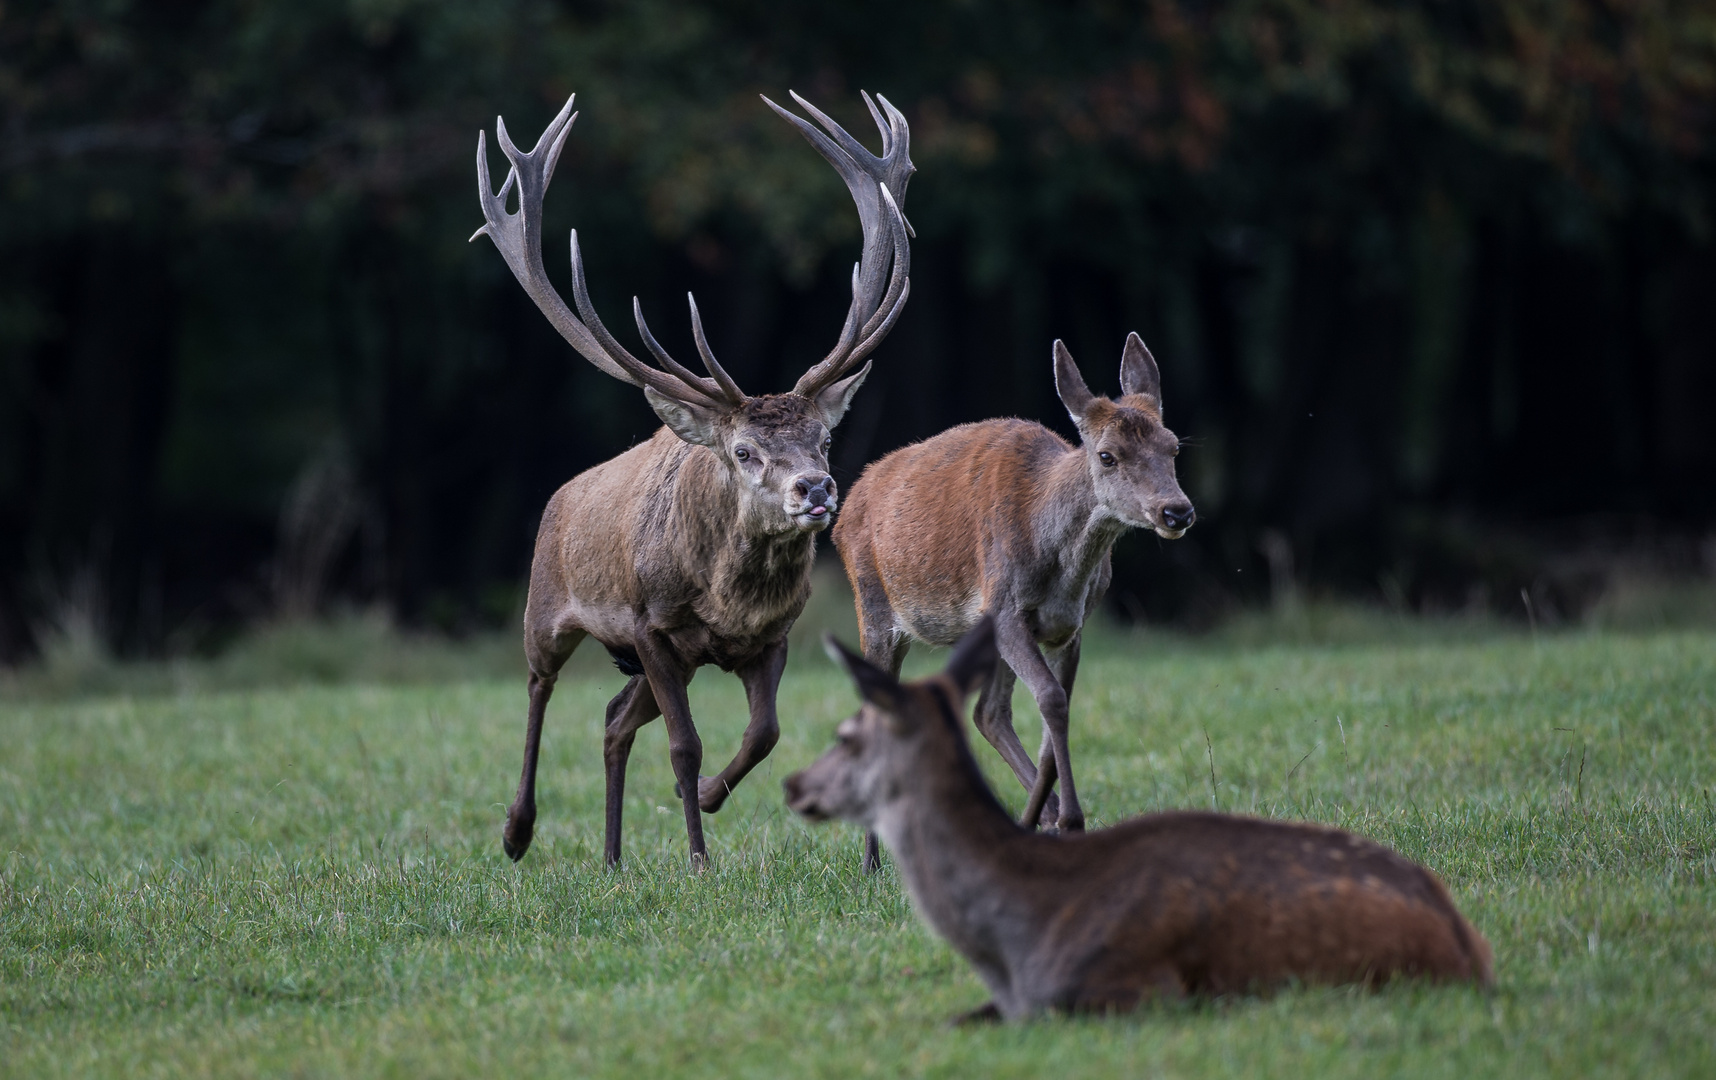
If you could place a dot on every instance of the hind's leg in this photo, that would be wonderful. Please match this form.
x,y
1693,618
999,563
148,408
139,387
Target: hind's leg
x,y
546,660
994,718
883,645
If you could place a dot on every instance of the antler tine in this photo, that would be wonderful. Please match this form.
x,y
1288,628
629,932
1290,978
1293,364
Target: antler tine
x,y
701,388
900,281
883,126
518,237
877,186
704,385
728,386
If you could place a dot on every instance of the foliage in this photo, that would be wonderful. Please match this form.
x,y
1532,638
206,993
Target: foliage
x,y
1403,263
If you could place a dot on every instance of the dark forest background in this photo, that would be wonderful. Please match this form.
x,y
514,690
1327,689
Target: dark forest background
x,y
1432,284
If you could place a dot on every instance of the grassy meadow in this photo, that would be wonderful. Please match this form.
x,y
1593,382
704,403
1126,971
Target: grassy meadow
x,y
209,873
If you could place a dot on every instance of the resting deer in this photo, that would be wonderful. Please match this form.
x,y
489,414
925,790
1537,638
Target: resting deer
x,y
1005,518
694,547
1156,907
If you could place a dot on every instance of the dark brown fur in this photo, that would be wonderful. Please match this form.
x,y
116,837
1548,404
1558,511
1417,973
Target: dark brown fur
x,y
1156,907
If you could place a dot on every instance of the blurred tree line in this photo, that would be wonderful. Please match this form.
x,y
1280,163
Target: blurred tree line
x,y
1432,284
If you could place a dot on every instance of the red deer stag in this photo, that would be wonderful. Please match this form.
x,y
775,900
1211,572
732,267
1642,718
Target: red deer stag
x,y
1005,518
1158,906
694,547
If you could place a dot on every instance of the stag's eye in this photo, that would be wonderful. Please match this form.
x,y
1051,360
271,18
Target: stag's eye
x,y
827,443
742,454
1106,458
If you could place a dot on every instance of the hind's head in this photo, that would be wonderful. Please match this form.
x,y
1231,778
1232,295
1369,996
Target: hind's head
x,y
1129,451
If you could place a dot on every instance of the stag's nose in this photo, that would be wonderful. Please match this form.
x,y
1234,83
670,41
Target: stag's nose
x,y
1179,515
815,490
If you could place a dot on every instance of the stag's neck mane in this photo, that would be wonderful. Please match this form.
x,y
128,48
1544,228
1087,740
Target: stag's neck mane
x,y
750,581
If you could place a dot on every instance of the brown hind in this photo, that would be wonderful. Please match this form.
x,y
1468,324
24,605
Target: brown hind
x,y
1005,518
1156,907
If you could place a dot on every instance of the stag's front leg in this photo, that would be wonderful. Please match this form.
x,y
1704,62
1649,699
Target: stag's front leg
x,y
1019,651
631,709
762,681
668,680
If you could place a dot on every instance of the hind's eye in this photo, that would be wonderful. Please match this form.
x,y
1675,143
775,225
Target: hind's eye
x,y
742,454
827,444
1107,459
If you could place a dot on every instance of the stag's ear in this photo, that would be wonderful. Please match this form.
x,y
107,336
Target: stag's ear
x,y
974,658
875,686
1138,372
834,400
690,422
1069,384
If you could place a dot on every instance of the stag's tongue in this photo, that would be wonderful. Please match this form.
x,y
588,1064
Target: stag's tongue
x,y
818,511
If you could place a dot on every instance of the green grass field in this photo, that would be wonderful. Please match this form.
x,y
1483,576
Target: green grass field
x,y
308,880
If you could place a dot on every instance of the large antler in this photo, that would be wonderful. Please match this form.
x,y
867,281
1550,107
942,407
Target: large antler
x,y
878,186
519,238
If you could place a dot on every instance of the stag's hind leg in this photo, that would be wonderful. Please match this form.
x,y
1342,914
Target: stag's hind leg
x,y
631,709
545,665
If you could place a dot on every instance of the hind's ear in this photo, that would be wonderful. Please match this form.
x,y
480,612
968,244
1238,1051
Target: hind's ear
x,y
975,657
875,686
1069,384
1138,372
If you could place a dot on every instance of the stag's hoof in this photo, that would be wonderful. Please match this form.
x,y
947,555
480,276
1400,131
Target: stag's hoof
x,y
1051,814
987,1013
711,793
515,838
1072,824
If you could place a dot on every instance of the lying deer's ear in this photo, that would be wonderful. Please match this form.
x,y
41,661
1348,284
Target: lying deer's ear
x,y
1069,384
974,658
693,424
875,686
1138,372
833,401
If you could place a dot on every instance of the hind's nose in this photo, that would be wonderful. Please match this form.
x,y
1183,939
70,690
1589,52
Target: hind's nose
x,y
815,490
1177,516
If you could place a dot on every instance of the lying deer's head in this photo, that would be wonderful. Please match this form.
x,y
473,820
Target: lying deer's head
x,y
1129,452
902,731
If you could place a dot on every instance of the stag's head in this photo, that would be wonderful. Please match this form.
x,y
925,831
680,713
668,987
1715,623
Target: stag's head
x,y
902,734
775,446
1129,451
